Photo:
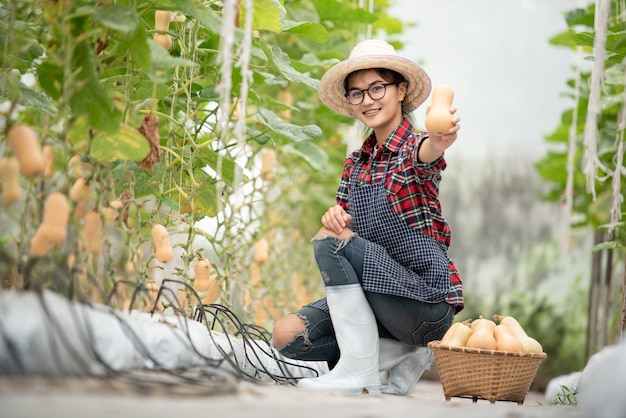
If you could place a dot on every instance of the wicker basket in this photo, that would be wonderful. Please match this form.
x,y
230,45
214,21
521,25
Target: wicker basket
x,y
486,374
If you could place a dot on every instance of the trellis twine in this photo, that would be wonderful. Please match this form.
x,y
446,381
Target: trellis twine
x,y
224,88
246,74
590,151
616,197
571,168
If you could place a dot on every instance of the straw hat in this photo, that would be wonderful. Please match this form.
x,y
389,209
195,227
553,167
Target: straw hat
x,y
373,53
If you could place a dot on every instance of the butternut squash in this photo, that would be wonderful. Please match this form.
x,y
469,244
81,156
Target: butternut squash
x,y
162,19
80,190
49,157
457,334
256,276
183,300
439,119
55,218
80,194
162,247
164,40
39,246
505,340
202,271
155,301
116,204
212,294
268,161
482,322
92,231
25,146
529,344
77,167
261,316
261,250
110,215
10,175
247,299
449,333
482,334
271,307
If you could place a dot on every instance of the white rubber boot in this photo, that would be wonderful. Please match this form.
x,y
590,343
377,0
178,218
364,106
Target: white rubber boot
x,y
356,372
405,364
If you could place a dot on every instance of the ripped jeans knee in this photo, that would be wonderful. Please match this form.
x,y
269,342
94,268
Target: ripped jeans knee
x,y
343,238
307,334
339,258
288,329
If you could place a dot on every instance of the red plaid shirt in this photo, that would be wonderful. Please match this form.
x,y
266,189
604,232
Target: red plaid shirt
x,y
412,187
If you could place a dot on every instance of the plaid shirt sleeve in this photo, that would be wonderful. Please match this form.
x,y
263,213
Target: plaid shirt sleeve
x,y
343,191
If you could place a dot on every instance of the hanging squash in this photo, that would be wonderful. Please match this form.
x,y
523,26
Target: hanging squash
x,y
202,271
161,240
25,146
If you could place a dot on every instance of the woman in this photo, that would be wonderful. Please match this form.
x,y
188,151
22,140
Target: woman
x,y
382,249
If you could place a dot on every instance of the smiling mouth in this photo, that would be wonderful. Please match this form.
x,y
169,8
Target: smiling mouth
x,y
371,112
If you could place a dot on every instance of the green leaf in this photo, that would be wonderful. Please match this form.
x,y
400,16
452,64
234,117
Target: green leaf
x,y
50,77
163,63
608,245
268,15
10,88
213,160
197,10
78,135
564,39
36,99
335,10
146,88
294,132
579,16
89,96
599,210
168,200
119,17
126,144
616,42
313,31
284,66
205,198
137,46
316,157
582,39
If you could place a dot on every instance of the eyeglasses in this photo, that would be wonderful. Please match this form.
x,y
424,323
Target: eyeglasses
x,y
376,92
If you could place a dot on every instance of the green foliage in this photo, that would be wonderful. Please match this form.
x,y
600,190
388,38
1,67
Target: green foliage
x,y
142,126
601,209
567,396
553,167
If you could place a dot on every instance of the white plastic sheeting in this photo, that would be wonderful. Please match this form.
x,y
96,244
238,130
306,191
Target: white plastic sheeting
x,y
602,383
45,334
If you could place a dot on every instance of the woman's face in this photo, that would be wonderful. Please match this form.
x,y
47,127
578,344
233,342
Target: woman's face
x,y
383,114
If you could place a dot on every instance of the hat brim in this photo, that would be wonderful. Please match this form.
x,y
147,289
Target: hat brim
x,y
332,91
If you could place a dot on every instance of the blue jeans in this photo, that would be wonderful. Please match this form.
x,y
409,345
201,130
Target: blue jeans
x,y
341,263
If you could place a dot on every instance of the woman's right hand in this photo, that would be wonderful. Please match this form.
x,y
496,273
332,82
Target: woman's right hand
x,y
336,219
